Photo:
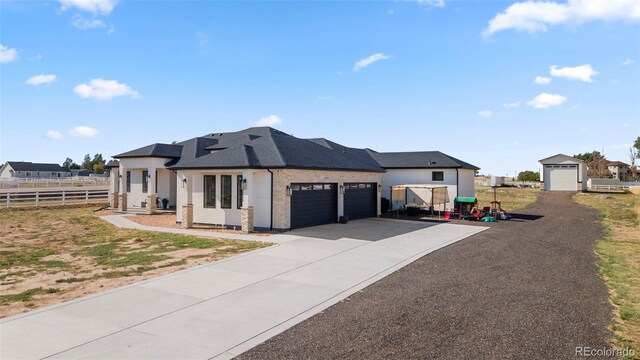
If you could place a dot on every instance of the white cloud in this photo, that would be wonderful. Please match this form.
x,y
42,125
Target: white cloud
x,y
542,80
83,131
38,57
7,55
52,134
40,80
430,3
583,72
101,89
514,104
545,101
485,113
270,120
83,24
533,16
96,7
628,62
363,63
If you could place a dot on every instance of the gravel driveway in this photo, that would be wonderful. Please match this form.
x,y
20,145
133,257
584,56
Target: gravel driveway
x,y
526,288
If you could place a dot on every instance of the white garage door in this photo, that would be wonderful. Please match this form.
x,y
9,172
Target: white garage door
x,y
560,177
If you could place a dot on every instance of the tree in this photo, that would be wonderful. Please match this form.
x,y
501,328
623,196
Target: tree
x,y
528,175
596,164
86,163
97,164
70,164
634,154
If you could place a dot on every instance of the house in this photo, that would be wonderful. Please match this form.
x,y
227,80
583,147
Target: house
x,y
563,173
81,172
23,169
618,170
266,179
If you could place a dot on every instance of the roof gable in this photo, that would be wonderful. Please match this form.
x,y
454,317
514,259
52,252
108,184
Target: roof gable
x,y
560,159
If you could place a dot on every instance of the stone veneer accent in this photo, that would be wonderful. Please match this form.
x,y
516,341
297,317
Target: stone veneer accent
x,y
247,219
284,177
114,200
152,204
122,199
187,216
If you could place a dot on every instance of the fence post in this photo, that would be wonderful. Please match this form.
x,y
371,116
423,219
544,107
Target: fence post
x,y
8,199
37,198
86,196
63,197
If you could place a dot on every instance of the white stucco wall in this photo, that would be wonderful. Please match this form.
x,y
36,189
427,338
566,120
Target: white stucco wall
x,y
423,176
258,184
466,182
136,166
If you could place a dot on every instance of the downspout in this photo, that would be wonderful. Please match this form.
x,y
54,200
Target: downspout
x,y
271,201
458,182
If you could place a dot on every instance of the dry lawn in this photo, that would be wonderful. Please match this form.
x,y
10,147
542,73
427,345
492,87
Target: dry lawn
x,y
619,263
512,198
52,255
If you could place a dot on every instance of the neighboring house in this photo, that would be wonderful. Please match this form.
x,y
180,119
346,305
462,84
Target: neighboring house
x,y
81,172
264,178
563,173
618,170
23,169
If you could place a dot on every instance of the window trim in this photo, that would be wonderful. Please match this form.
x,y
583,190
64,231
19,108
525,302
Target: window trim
x,y
222,191
433,177
204,191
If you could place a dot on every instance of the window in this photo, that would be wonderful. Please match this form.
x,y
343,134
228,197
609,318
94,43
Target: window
x,y
239,192
145,181
225,191
210,191
437,176
128,181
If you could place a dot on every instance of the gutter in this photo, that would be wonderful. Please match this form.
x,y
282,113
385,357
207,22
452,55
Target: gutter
x,y
271,202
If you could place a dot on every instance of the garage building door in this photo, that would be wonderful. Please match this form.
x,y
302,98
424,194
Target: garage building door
x,y
360,200
560,177
313,204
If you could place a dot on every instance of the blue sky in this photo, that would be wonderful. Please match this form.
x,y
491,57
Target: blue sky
x,y
103,76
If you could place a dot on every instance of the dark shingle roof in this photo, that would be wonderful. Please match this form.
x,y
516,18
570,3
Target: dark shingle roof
x,y
419,159
29,166
112,164
154,150
265,147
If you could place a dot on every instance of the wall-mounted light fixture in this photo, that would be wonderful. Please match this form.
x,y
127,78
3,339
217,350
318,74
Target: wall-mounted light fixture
x,y
120,176
379,187
289,191
148,176
244,184
341,188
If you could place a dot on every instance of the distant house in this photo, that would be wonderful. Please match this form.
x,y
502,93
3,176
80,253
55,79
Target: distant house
x,y
81,172
618,170
23,169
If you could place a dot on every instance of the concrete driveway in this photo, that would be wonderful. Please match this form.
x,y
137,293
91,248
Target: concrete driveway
x,y
222,309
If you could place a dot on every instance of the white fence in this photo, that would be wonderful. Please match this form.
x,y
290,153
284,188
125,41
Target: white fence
x,y
612,187
53,197
77,181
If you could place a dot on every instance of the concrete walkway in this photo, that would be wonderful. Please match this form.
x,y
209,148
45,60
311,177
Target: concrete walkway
x,y
123,222
224,308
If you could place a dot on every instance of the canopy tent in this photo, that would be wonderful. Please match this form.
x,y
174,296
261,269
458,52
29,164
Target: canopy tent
x,y
421,194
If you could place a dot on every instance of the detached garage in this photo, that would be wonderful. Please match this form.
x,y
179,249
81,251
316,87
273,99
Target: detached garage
x,y
563,173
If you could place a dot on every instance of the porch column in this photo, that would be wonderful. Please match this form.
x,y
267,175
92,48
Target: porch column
x,y
187,209
248,194
114,181
122,196
152,198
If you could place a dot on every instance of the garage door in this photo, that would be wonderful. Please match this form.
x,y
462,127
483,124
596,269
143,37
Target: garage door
x,y
313,204
360,200
560,177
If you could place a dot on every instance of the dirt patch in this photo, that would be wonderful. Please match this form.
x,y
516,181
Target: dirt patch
x,y
167,220
48,256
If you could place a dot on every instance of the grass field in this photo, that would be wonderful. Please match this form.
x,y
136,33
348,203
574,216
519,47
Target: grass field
x,y
57,254
512,198
619,253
